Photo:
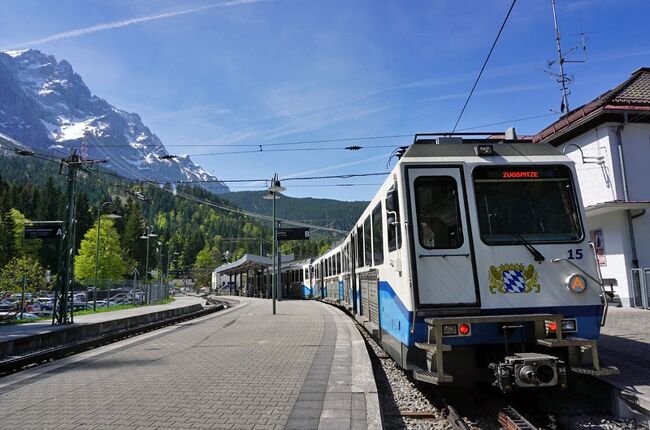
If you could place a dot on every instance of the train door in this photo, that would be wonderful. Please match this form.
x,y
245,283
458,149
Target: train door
x,y
442,255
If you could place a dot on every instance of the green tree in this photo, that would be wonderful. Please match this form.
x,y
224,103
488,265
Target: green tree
x,y
134,247
84,218
12,274
7,237
206,261
23,246
111,264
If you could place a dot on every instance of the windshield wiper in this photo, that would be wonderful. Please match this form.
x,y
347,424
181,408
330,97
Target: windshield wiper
x,y
536,254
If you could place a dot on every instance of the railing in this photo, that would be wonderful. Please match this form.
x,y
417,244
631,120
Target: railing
x,y
640,288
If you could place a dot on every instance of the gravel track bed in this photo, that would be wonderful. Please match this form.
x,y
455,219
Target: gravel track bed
x,y
398,392
563,409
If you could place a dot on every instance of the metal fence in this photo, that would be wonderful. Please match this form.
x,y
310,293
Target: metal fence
x,y
640,288
130,292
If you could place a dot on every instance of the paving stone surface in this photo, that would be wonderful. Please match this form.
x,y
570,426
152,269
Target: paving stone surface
x,y
625,343
241,369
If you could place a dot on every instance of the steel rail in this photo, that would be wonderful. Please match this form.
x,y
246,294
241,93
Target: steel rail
x,y
510,419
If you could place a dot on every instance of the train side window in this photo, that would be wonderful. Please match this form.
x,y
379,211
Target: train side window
x,y
394,233
360,246
367,241
438,212
377,235
338,263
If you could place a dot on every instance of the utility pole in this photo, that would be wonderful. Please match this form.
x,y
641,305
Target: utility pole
x,y
22,299
65,280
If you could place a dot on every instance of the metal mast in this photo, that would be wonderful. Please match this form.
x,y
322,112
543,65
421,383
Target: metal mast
x,y
63,312
562,79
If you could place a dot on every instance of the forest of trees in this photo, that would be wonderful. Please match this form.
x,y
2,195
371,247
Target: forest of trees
x,y
186,237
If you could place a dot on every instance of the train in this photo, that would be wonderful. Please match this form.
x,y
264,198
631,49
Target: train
x,y
472,263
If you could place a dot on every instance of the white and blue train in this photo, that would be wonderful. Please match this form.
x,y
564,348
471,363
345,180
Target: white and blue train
x,y
473,262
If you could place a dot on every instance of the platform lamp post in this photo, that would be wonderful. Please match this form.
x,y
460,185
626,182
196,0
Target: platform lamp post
x,y
273,191
148,234
99,223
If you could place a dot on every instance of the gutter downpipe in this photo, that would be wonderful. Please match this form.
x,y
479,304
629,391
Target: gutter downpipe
x,y
630,225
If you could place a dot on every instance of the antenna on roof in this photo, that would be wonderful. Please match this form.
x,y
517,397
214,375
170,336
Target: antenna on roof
x,y
562,77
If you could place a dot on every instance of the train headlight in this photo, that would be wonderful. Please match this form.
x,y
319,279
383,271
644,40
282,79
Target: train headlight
x,y
569,326
576,283
450,330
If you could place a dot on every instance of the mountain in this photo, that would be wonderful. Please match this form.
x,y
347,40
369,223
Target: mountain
x,y
326,212
45,105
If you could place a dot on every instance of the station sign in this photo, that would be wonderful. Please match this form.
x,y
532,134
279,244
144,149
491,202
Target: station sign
x,y
44,230
300,233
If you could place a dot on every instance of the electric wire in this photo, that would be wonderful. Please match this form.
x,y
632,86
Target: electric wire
x,y
484,65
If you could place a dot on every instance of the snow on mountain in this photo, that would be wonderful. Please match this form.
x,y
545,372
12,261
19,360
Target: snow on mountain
x,y
44,104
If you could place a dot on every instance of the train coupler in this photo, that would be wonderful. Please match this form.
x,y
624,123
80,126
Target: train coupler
x,y
529,370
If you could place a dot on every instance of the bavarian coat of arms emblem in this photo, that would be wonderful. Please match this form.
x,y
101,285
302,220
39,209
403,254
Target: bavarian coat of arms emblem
x,y
513,278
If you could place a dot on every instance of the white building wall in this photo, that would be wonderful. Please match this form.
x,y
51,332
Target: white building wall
x,y
617,250
604,183
636,151
598,182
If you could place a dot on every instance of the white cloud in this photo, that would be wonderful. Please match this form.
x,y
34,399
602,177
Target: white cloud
x,y
128,22
339,166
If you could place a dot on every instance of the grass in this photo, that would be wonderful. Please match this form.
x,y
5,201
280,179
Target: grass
x,y
24,321
122,307
87,312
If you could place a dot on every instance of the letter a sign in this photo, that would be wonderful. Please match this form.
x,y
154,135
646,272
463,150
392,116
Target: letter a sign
x,y
44,230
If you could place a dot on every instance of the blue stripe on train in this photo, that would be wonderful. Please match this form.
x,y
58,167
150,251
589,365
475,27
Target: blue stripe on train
x,y
306,291
395,319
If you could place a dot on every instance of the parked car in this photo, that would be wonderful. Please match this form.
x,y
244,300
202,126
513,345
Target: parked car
x,y
6,305
40,308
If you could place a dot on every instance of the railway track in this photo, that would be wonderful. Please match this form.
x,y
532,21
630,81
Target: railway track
x,y
510,419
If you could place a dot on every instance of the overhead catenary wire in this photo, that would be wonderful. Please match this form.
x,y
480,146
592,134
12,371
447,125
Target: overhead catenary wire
x,y
332,148
319,141
487,58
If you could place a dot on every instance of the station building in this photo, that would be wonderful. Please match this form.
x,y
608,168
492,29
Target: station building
x,y
249,276
609,140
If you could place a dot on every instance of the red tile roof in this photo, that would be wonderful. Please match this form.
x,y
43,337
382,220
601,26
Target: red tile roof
x,y
632,95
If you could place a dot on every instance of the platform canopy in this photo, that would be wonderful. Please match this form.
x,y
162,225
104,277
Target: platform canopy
x,y
616,205
249,262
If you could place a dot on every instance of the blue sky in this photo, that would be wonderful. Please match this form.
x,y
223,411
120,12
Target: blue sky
x,y
259,72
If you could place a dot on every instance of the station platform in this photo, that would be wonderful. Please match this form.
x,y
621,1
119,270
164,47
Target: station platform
x,y
14,331
241,368
625,343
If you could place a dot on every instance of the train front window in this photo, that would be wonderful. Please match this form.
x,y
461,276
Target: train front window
x,y
537,203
